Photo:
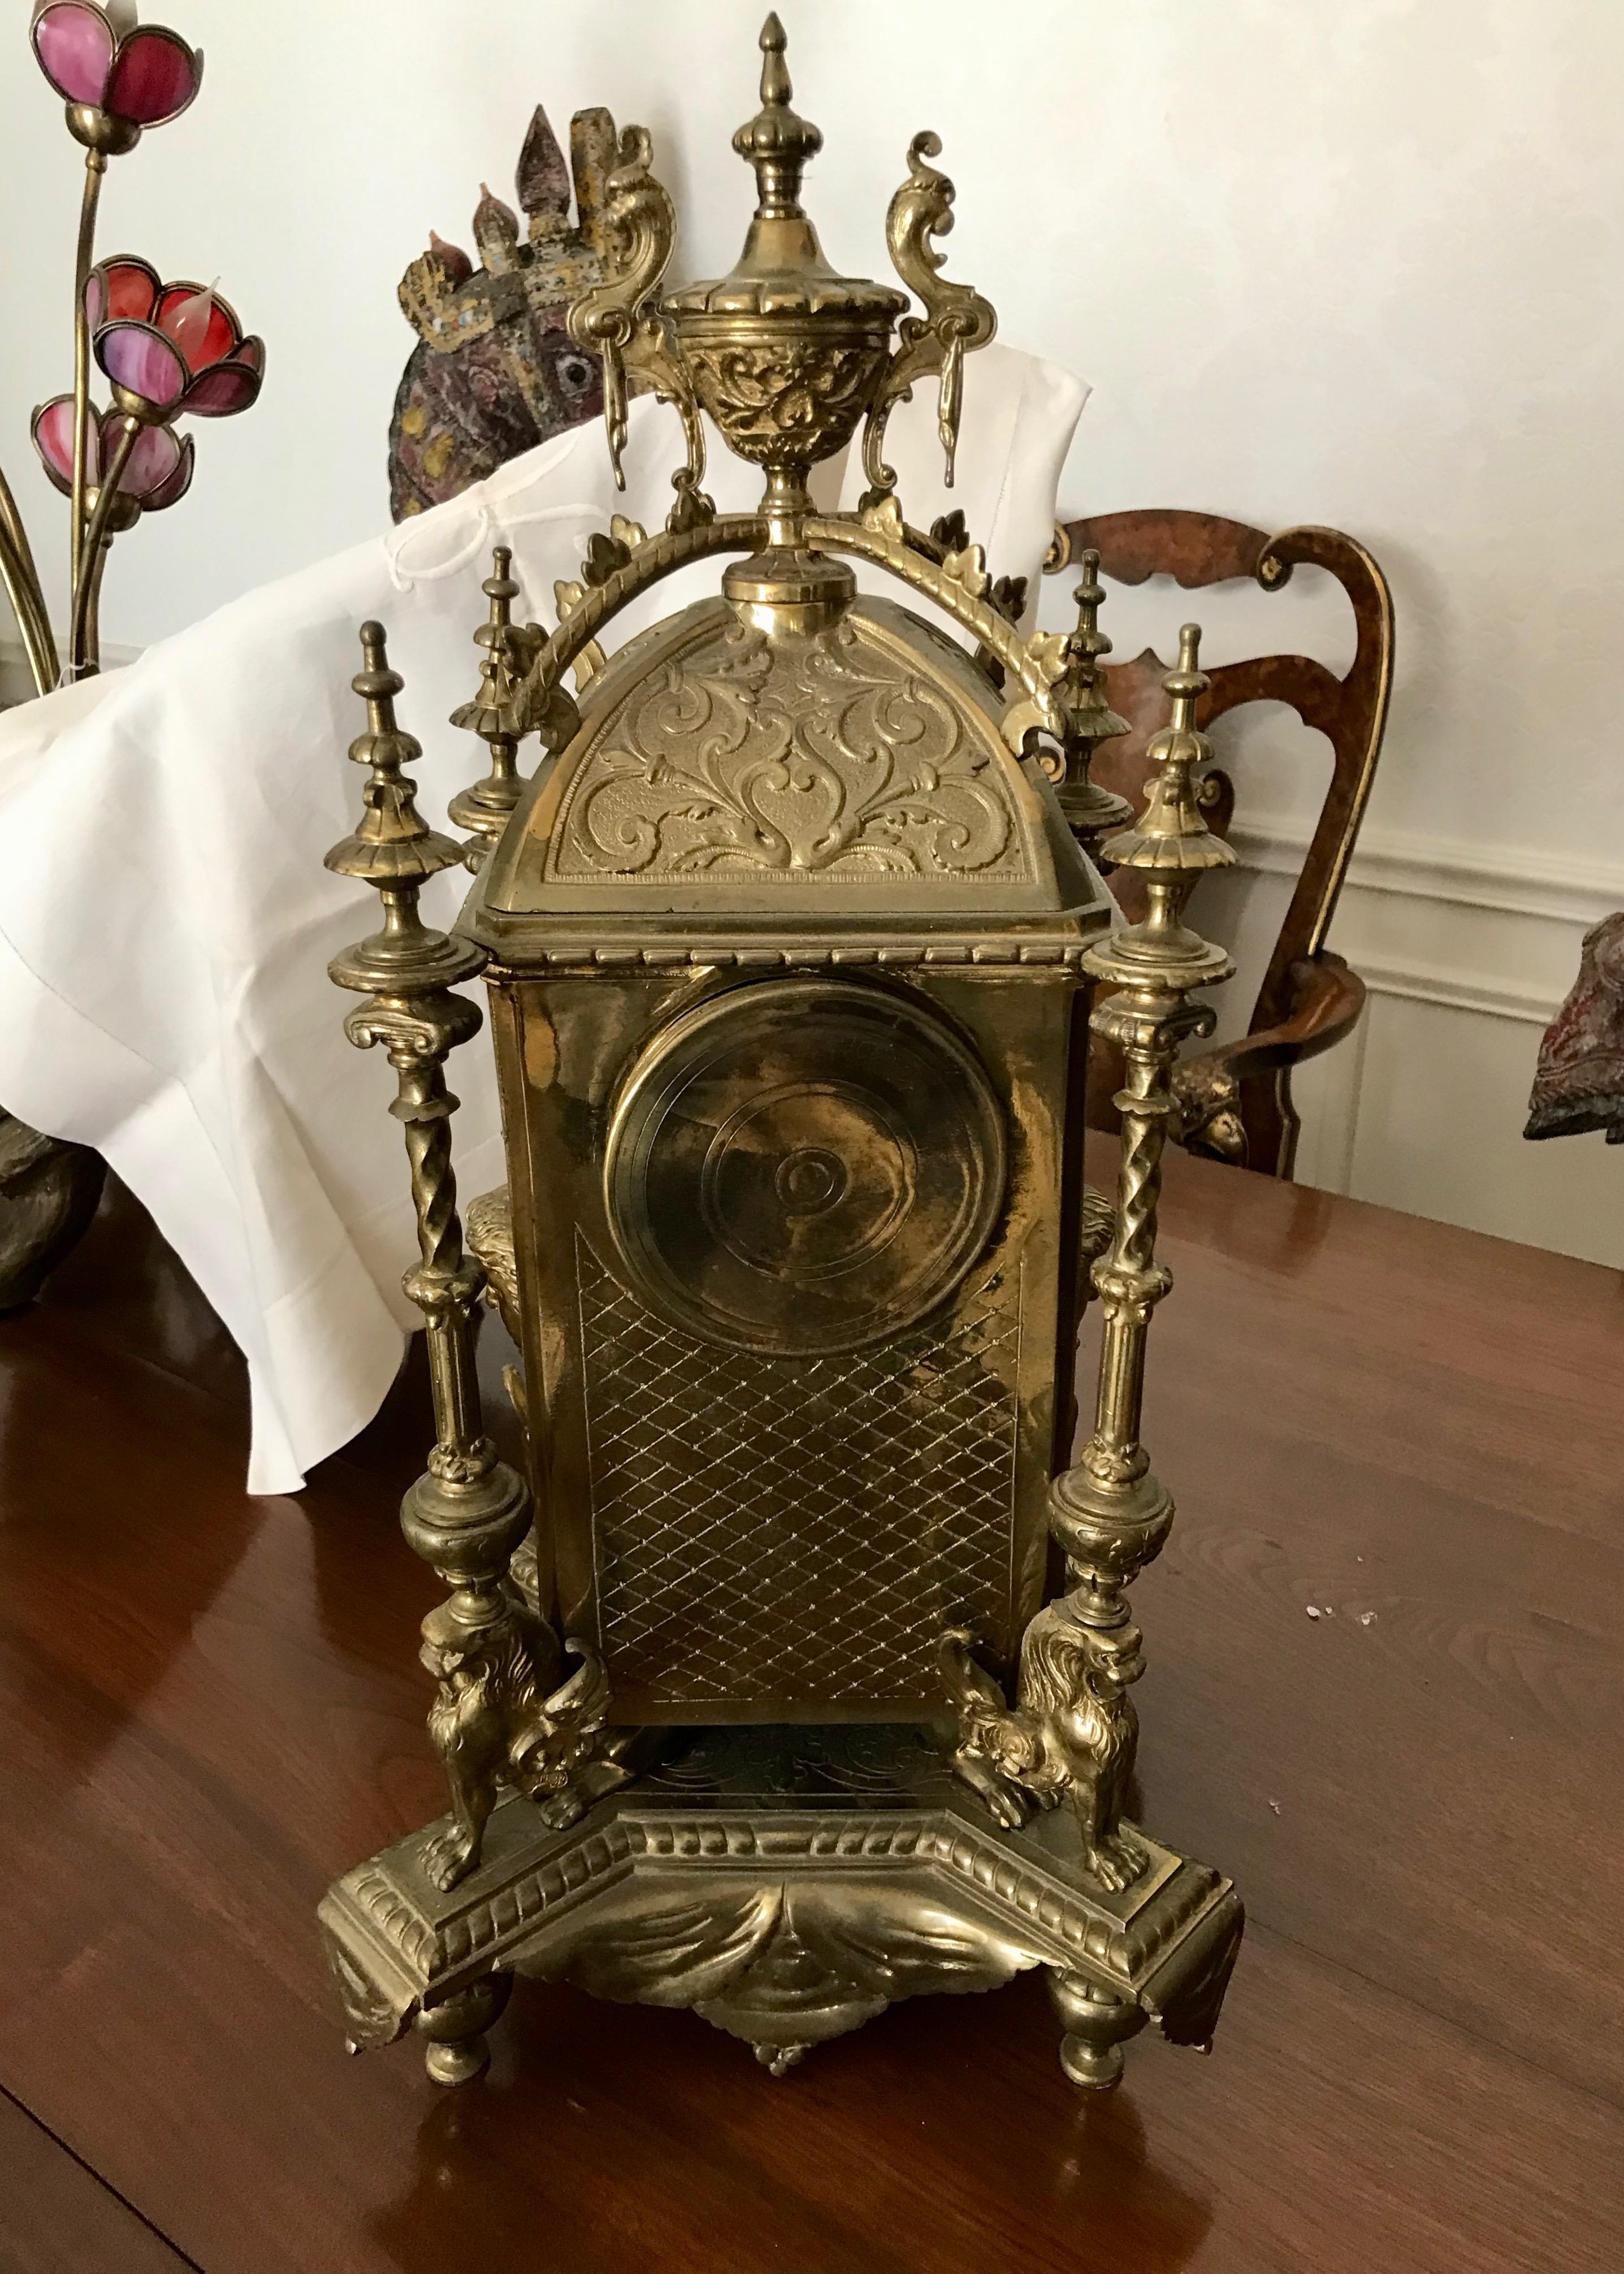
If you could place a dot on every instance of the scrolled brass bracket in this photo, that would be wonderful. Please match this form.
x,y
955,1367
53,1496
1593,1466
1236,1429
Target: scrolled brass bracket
x,y
621,321
957,318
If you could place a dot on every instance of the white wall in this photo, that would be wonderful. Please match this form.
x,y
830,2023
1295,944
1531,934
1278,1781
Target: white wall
x,y
1359,261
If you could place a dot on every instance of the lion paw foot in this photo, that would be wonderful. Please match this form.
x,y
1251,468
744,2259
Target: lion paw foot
x,y
560,1810
1004,1801
1115,1862
450,1856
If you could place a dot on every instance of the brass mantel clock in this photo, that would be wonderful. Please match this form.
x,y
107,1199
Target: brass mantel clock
x,y
765,1693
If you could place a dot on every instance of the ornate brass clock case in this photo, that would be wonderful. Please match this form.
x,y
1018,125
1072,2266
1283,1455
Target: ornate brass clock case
x,y
788,947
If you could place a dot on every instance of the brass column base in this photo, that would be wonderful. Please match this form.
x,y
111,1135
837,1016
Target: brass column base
x,y
788,1883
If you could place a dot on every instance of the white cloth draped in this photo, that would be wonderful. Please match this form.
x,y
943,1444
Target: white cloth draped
x,y
166,920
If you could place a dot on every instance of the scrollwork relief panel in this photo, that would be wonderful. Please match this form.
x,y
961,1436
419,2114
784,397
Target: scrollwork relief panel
x,y
822,760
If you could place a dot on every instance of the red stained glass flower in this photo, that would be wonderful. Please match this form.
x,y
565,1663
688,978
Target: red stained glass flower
x,y
177,347
101,58
157,473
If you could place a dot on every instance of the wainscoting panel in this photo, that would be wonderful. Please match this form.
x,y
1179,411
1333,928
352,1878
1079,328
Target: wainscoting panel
x,y
1466,953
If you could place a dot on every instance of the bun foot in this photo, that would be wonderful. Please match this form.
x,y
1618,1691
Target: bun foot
x,y
458,2050
1096,2025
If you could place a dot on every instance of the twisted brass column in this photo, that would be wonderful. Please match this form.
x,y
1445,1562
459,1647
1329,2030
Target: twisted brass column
x,y
493,1722
1109,1513
1073,1731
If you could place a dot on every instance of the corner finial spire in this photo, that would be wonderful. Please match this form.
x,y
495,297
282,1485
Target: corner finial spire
x,y
775,86
777,142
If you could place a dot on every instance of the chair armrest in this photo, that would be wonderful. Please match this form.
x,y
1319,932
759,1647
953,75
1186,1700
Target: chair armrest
x,y
1326,999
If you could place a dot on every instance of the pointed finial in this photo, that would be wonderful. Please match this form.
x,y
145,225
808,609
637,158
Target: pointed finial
x,y
1186,683
483,809
1089,639
394,846
775,86
777,142
496,232
1169,846
541,179
1092,812
393,849
501,590
378,686
1085,681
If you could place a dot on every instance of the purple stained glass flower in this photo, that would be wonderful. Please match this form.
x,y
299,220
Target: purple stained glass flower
x,y
158,472
176,347
100,57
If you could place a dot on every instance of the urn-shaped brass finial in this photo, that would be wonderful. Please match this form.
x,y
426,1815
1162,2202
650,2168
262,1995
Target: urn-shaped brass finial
x,y
785,355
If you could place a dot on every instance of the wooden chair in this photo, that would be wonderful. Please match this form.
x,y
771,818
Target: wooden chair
x,y
1237,1099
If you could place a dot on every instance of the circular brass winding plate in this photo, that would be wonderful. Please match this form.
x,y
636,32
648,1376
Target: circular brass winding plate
x,y
803,1165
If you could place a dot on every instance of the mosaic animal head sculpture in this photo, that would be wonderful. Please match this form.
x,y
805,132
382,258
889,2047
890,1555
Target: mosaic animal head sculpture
x,y
495,371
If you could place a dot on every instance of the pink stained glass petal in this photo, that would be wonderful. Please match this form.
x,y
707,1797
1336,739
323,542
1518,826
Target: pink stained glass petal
x,y
201,327
155,78
128,288
221,390
74,44
53,439
252,352
152,462
179,482
135,357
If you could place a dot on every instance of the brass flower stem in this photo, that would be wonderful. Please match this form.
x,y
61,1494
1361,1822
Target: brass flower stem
x,y
95,166
87,578
36,627
23,591
93,614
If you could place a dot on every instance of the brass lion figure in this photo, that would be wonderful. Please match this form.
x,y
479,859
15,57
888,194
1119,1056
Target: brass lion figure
x,y
497,1723
1073,1733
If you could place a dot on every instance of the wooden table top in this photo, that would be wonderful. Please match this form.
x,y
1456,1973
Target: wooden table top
x,y
211,1707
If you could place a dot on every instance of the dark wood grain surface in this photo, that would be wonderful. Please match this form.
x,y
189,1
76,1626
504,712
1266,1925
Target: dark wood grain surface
x,y
58,2218
211,1707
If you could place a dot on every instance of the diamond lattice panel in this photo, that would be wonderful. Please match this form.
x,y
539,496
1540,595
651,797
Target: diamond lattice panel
x,y
800,1528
